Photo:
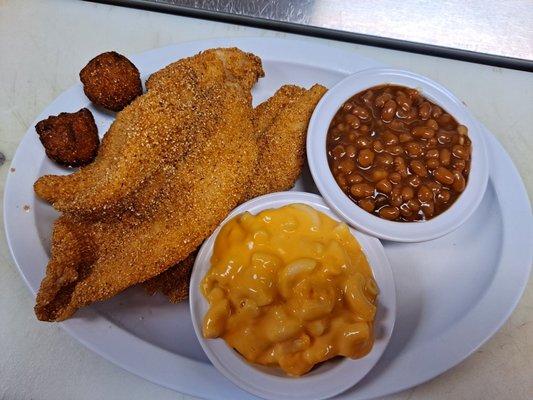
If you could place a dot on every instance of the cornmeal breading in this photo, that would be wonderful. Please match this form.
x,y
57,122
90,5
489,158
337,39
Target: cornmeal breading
x,y
172,202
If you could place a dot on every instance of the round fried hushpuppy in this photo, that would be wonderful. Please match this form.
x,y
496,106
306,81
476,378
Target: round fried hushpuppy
x,y
111,81
70,139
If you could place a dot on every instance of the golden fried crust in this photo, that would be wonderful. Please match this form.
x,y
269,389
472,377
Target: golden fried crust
x,y
168,217
174,282
158,128
111,81
282,144
70,139
281,123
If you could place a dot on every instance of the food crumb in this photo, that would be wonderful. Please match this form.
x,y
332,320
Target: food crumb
x,y
2,158
12,169
26,208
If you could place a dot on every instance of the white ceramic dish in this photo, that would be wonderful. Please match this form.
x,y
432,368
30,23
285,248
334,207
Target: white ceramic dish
x,y
485,263
330,378
444,223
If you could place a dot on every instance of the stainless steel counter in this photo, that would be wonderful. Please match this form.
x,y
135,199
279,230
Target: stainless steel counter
x,y
488,31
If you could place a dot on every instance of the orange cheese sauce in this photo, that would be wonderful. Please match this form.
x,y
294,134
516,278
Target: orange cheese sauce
x,y
290,287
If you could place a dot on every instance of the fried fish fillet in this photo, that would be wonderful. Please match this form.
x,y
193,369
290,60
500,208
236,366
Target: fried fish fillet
x,y
95,258
157,128
281,122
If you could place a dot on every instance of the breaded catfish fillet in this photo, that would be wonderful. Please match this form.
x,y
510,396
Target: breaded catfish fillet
x,y
157,128
281,123
171,211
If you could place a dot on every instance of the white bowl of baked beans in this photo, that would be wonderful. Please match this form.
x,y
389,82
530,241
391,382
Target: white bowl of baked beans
x,y
397,155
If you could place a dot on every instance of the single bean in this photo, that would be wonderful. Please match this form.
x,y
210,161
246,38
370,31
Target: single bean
x,y
461,140
400,93
342,127
405,211
367,98
382,99
352,136
418,168
396,196
366,158
414,149
434,186
459,182
444,196
404,102
360,190
395,177
378,174
436,112
399,161
414,181
351,151
346,165
363,142
431,143
338,151
389,138
445,120
432,163
445,157
432,153
388,111
424,194
367,204
428,209
364,129
414,204
424,111
459,165
354,178
443,137
342,181
397,125
423,132
444,176
394,149
407,193
432,124
459,152
377,146
462,130
389,212
384,159
335,134
347,106
384,186
352,120
362,112
405,137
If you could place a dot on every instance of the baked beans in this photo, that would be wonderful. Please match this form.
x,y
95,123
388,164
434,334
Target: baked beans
x,y
398,155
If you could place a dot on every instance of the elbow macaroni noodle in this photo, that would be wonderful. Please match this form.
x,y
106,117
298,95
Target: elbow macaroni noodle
x,y
290,287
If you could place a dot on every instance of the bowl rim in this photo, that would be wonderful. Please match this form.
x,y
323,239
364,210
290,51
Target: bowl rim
x,y
420,231
338,375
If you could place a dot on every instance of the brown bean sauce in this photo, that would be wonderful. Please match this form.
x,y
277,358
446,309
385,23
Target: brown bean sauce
x,y
398,155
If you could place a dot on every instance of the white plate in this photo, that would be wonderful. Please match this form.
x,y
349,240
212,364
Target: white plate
x,y
330,378
453,293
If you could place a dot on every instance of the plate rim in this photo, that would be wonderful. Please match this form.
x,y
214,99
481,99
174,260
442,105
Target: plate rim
x,y
298,49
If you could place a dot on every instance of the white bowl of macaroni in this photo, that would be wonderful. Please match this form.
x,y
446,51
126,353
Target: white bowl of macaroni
x,y
288,302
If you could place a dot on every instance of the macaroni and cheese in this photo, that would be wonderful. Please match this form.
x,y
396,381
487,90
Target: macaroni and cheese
x,y
290,287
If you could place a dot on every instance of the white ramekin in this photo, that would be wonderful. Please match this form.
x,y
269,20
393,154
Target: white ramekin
x,y
331,377
444,223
